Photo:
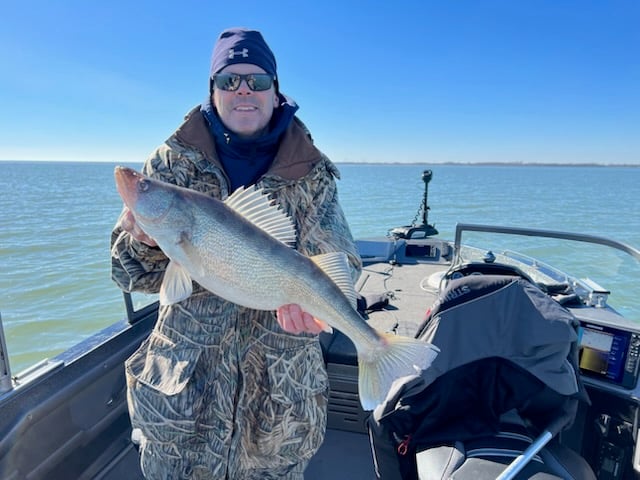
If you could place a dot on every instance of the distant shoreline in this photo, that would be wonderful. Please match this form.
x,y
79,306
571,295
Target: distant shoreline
x,y
462,164
498,164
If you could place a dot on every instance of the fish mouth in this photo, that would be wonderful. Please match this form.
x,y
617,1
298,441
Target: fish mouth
x,y
135,188
126,182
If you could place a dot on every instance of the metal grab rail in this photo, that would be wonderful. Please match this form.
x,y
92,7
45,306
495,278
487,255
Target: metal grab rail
x,y
6,383
531,232
523,459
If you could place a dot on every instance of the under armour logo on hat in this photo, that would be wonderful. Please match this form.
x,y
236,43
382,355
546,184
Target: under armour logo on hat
x,y
244,52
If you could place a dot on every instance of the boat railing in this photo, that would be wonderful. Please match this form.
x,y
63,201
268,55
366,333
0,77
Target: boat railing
x,y
532,232
6,383
136,313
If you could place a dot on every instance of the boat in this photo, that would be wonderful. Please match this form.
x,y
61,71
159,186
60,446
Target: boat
x,y
66,417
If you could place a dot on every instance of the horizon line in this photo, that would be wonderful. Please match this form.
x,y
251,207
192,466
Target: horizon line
x,y
447,163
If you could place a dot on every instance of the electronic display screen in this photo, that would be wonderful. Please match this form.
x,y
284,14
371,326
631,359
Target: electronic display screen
x,y
603,351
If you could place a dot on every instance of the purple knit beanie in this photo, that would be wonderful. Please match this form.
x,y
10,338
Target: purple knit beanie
x,y
241,45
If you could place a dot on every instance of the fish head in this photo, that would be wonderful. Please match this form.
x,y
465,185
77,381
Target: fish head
x,y
149,200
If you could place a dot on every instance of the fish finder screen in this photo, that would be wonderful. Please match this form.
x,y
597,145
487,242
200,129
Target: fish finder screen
x,y
603,352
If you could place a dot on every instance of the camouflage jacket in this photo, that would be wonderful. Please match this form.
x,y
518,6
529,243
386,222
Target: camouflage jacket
x,y
301,180
218,390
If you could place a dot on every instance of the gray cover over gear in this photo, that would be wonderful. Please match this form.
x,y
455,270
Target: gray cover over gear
x,y
517,321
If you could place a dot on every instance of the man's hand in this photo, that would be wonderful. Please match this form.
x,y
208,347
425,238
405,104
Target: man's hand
x,y
293,319
128,224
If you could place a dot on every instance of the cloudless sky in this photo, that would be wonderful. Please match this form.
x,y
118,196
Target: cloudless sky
x,y
379,81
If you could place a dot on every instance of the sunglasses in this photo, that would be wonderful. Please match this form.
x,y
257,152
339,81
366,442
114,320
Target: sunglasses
x,y
230,82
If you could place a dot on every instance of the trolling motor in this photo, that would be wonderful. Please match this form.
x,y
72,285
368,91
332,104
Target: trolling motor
x,y
424,229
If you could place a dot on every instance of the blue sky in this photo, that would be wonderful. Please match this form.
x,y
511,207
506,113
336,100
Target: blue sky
x,y
389,81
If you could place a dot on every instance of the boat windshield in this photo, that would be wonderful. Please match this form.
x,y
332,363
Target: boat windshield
x,y
586,263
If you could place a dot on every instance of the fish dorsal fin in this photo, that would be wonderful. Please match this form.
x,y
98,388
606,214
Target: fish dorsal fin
x,y
336,266
254,205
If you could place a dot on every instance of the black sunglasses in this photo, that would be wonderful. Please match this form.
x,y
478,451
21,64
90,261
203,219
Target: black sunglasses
x,y
230,82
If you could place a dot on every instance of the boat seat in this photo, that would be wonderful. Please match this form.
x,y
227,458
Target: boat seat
x,y
486,458
505,346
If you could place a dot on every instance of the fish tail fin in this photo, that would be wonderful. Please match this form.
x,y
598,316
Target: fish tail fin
x,y
397,357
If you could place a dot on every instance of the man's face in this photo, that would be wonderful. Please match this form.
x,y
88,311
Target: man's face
x,y
244,111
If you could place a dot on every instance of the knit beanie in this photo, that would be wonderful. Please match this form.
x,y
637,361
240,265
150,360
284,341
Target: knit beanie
x,y
241,45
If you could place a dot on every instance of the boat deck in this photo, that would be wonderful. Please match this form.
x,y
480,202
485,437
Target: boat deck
x,y
346,452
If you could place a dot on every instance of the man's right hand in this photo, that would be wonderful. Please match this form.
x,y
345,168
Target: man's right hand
x,y
129,224
293,319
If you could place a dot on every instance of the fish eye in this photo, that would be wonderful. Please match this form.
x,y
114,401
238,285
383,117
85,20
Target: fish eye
x,y
143,185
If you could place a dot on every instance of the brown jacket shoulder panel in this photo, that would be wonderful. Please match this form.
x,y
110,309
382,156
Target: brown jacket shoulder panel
x,y
195,133
297,155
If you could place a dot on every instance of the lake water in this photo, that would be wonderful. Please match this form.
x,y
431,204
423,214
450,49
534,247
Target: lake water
x,y
56,219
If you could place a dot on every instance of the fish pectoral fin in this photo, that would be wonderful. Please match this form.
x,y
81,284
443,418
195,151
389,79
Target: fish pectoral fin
x,y
336,266
256,206
176,286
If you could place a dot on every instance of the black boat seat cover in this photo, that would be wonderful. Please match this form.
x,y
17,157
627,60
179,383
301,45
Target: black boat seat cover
x,y
504,346
477,314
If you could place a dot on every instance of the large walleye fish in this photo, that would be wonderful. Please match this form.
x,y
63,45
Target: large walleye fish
x,y
240,249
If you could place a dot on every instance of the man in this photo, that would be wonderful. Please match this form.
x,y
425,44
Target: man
x,y
218,390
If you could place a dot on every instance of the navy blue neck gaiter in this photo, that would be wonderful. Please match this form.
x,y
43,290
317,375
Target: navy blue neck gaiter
x,y
246,160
